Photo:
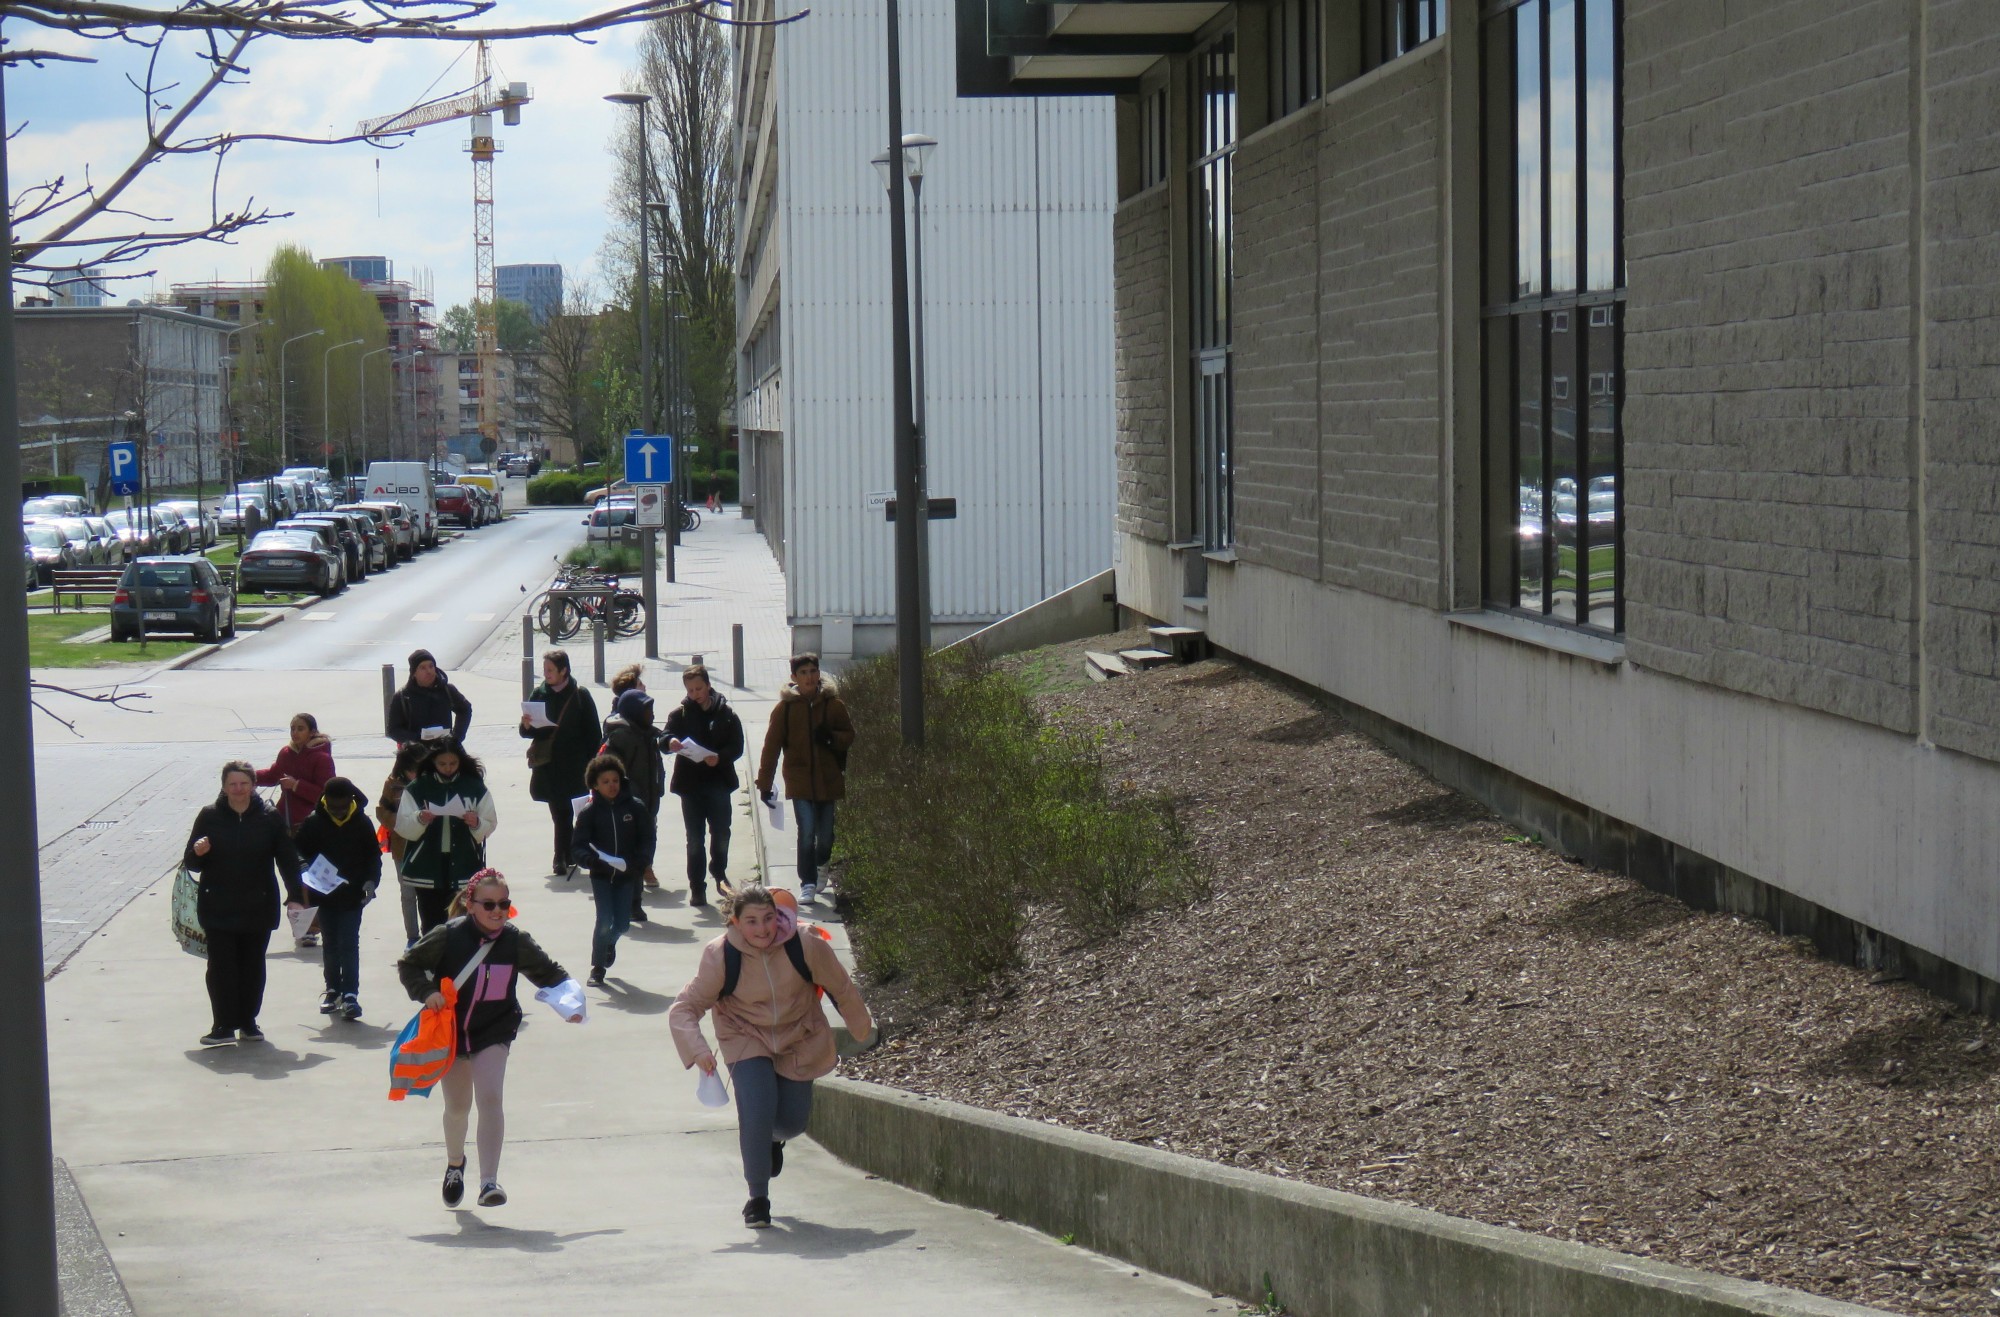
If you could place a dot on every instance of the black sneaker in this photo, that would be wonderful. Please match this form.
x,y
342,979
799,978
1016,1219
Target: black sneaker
x,y
492,1195
639,916
250,1034
757,1213
218,1038
454,1185
777,1158
596,979
330,999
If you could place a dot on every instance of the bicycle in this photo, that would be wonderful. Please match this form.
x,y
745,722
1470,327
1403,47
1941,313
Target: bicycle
x,y
690,519
562,616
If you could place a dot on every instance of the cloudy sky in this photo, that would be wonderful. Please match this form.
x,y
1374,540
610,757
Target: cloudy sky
x,y
412,204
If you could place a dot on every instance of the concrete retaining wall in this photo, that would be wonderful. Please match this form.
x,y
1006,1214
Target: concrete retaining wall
x,y
1085,609
1325,1252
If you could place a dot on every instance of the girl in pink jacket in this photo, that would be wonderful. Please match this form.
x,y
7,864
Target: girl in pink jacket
x,y
761,980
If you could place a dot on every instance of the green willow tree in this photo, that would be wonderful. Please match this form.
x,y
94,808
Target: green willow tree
x,y
314,416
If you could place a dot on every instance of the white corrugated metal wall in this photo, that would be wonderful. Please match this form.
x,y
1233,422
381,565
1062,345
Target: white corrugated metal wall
x,y
1017,269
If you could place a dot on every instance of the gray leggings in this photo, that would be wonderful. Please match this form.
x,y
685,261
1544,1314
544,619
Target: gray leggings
x,y
767,1108
483,1075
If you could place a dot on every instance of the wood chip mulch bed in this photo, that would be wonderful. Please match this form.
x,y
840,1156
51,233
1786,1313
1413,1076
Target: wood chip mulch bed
x,y
1392,993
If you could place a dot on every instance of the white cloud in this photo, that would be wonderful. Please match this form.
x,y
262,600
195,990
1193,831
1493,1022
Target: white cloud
x,y
549,182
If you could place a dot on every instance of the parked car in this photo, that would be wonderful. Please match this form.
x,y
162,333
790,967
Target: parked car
x,y
201,522
605,519
381,531
171,529
455,505
50,549
134,532
56,505
276,497
401,524
329,539
287,560
115,551
30,574
242,512
353,539
173,594
89,551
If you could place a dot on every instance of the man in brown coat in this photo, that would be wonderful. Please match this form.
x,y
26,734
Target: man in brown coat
x,y
811,731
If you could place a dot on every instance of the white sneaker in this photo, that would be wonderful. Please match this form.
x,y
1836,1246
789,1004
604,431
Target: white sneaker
x,y
808,891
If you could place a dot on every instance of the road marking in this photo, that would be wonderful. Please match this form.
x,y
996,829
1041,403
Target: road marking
x,y
372,617
318,616
479,617
426,617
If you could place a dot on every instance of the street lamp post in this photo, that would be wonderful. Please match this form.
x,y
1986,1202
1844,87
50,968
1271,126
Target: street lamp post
x,y
326,399
917,148
284,399
649,563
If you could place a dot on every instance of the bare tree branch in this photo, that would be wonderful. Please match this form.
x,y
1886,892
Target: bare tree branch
x,y
116,698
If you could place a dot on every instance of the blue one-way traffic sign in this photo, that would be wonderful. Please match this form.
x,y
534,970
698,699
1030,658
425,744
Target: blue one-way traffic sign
x,y
649,458
124,462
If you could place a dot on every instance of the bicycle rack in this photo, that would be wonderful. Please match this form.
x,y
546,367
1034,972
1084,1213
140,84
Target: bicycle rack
x,y
603,591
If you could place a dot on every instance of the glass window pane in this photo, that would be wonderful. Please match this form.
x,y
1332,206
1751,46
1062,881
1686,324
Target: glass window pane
x,y
1565,489
1600,111
1602,510
1564,187
1528,148
1531,496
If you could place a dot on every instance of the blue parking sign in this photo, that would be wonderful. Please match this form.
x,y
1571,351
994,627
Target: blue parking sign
x,y
649,458
123,457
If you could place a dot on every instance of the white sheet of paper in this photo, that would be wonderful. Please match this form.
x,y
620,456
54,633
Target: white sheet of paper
x,y
567,1000
708,1090
577,803
433,733
617,865
536,712
453,808
777,809
694,750
321,876
301,920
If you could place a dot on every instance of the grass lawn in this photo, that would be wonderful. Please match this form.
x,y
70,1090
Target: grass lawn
x,y
48,633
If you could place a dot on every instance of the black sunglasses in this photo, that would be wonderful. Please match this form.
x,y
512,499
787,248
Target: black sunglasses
x,y
492,905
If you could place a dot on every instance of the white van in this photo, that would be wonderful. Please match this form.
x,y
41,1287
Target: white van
x,y
408,483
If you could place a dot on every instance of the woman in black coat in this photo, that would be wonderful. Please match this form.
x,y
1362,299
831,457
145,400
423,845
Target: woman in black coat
x,y
340,829
428,704
559,754
241,850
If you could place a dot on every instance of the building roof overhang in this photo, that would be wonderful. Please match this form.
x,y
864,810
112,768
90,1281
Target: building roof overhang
x,y
1076,47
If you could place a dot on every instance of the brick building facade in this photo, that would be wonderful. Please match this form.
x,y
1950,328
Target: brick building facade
x,y
1607,413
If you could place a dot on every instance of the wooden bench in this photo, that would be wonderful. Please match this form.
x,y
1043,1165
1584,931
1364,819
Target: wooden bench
x,y
80,581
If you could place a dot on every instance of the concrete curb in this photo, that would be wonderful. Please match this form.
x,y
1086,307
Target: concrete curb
x,y
1325,1252
89,1279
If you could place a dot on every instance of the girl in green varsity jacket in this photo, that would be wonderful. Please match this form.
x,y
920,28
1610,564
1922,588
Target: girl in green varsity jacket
x,y
446,816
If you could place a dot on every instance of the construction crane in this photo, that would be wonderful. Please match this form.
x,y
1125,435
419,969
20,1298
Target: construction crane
x,y
477,105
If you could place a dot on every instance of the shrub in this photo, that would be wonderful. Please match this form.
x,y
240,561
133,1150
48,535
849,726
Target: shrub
x,y
615,558
948,849
558,487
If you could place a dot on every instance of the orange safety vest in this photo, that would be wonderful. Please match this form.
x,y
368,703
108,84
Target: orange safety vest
x,y
425,1049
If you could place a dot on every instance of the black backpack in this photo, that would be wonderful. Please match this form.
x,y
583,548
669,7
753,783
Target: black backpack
x,y
732,964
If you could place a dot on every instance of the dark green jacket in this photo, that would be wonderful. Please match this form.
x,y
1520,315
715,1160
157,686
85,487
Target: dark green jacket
x,y
444,852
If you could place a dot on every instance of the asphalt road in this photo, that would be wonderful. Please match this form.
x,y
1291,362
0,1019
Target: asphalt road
x,y
448,601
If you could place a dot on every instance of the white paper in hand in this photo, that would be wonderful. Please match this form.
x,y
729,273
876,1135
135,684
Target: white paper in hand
x,y
709,1089
777,815
694,750
435,733
301,920
536,712
617,865
567,1000
321,876
453,808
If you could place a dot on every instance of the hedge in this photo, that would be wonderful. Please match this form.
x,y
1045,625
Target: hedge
x,y
559,487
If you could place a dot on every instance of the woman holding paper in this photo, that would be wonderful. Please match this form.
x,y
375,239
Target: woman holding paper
x,y
560,745
614,841
480,952
342,867
241,849
446,816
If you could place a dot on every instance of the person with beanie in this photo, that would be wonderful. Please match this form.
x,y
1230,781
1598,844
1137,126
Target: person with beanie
x,y
629,734
705,785
341,831
614,841
428,708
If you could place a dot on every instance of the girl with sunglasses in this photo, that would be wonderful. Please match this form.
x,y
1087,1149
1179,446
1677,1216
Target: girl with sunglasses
x,y
481,940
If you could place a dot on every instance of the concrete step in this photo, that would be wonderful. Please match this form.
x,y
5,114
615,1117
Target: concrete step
x,y
1103,667
1141,659
1185,643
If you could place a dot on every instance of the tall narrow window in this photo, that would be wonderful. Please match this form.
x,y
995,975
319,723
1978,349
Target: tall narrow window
x,y
1554,286
1396,27
1153,138
1293,56
1212,263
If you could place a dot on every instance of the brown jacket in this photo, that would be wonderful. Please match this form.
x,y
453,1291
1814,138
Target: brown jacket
x,y
385,814
811,771
773,1012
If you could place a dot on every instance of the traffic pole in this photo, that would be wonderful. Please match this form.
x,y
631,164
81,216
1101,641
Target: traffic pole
x,y
649,568
388,696
736,651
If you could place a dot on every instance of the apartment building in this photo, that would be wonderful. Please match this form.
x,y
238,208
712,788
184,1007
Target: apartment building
x,y
1595,398
517,376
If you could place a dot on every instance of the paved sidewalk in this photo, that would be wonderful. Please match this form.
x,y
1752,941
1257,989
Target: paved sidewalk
x,y
276,1179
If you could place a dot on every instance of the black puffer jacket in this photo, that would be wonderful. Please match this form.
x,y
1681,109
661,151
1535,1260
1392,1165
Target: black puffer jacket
x,y
248,854
716,728
349,847
621,826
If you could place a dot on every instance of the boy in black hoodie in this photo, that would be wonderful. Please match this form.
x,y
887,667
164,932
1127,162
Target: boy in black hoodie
x,y
614,841
341,830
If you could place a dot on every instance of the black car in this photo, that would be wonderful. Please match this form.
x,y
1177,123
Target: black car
x,y
173,594
50,549
282,561
352,540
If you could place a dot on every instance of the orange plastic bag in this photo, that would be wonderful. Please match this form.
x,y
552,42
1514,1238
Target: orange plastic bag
x,y
425,1049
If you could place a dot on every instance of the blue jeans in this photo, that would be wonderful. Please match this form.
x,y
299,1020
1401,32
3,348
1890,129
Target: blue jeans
x,y
614,916
815,823
768,1108
705,813
340,949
